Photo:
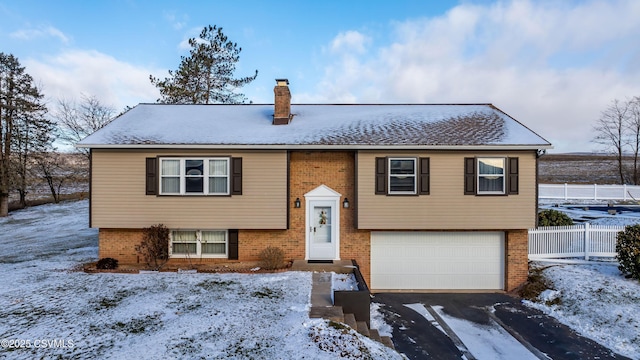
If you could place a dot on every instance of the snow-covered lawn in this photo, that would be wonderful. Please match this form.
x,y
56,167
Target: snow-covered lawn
x,y
595,299
597,302
44,301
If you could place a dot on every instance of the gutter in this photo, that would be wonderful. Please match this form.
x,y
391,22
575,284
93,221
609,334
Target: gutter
x,y
315,147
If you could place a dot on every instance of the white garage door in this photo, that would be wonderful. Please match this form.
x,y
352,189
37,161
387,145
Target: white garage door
x,y
437,260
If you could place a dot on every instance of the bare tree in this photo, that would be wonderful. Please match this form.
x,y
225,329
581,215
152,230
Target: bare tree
x,y
633,123
77,120
51,167
610,131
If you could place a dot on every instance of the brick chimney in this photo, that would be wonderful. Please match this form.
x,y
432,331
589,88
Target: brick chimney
x,y
282,112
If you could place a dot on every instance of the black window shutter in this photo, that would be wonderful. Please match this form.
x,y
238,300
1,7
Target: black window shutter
x,y
236,176
381,176
152,176
424,176
233,245
469,176
513,176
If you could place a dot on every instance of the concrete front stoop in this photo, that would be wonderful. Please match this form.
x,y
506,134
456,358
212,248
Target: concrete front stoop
x,y
322,307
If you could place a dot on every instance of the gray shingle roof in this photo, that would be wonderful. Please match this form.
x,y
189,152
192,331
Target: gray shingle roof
x,y
334,126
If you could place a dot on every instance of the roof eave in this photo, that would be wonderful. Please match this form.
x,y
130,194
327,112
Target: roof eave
x,y
501,147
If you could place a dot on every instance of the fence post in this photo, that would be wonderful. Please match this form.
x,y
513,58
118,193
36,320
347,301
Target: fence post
x,y
624,192
595,191
587,241
566,197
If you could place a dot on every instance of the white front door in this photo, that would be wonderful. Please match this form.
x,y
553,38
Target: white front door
x,y
322,224
322,240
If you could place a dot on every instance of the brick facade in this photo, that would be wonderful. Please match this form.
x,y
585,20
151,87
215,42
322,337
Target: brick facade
x,y
308,170
517,258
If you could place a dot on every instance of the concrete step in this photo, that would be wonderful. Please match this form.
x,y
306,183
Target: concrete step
x,y
374,335
362,328
350,320
387,341
333,313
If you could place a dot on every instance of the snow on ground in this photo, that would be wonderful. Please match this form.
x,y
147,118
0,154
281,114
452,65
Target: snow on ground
x,y
489,341
164,315
597,302
595,298
344,282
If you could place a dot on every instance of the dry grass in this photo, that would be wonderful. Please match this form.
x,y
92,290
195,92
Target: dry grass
x,y
579,169
535,285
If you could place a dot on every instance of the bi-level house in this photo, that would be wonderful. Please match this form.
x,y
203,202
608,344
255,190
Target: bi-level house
x,y
421,196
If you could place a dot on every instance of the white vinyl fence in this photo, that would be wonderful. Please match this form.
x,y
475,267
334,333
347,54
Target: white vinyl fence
x,y
584,240
588,192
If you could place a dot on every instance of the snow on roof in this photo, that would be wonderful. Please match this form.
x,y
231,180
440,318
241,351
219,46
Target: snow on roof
x,y
357,126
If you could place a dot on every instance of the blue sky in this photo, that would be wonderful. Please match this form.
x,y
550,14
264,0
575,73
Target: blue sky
x,y
553,65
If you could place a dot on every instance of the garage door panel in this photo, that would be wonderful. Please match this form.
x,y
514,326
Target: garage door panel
x,y
437,260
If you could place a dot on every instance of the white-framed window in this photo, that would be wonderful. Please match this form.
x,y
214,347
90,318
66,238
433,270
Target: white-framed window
x,y
402,176
199,243
491,175
194,176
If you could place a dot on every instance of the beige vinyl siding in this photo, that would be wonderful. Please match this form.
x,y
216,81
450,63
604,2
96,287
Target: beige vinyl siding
x,y
446,208
118,197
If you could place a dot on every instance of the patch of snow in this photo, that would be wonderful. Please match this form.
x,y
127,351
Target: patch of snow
x,y
486,341
344,282
161,315
549,296
420,309
377,321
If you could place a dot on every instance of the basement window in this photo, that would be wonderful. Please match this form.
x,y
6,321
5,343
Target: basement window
x,y
199,243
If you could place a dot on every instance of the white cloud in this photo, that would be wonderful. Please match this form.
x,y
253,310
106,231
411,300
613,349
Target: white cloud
x,y
113,82
177,22
350,41
552,65
43,31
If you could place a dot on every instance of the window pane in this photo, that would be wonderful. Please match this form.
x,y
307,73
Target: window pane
x,y
194,167
402,166
491,183
213,236
214,248
182,236
217,167
170,185
194,185
218,185
402,183
184,248
170,167
490,166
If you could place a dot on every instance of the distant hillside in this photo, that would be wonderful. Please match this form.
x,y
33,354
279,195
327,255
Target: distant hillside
x,y
579,168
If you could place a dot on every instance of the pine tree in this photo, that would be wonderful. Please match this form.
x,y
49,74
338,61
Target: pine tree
x,y
22,125
33,137
207,75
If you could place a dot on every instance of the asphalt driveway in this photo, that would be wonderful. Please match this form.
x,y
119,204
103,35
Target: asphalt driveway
x,y
437,334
